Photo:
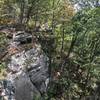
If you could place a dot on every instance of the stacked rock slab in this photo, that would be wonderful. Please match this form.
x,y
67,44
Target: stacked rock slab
x,y
28,69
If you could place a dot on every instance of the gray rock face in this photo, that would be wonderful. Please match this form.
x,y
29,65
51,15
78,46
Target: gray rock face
x,y
24,89
28,73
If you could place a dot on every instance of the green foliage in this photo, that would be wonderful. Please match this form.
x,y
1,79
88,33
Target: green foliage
x,y
81,71
73,46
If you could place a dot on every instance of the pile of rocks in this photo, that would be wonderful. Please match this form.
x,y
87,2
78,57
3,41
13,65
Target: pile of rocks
x,y
27,69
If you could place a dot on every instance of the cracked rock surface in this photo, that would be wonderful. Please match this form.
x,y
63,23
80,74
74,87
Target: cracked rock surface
x,y
27,75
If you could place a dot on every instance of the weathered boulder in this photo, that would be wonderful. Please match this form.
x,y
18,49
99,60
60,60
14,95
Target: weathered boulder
x,y
28,70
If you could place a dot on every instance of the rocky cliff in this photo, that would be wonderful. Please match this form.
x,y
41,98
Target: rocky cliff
x,y
27,69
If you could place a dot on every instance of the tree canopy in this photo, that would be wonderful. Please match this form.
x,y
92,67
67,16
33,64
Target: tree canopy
x,y
70,39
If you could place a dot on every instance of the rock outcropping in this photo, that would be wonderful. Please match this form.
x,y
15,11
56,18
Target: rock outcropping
x,y
27,76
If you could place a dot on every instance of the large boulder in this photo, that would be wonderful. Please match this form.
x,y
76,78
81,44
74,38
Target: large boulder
x,y
28,71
